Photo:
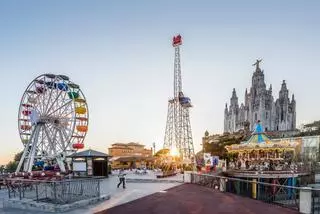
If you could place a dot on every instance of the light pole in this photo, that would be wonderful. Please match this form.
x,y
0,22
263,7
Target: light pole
x,y
154,148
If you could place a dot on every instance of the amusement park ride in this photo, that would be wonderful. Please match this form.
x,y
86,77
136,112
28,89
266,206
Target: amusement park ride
x,y
178,135
53,122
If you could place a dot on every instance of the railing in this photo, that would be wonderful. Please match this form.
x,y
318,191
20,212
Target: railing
x,y
56,192
286,196
316,202
2,180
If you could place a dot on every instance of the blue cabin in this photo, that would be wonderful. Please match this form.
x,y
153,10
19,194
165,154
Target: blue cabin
x,y
185,101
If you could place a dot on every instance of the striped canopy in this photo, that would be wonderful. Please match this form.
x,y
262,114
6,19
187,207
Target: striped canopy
x,y
258,136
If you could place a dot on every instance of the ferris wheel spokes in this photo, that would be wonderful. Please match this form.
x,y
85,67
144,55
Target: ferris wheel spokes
x,y
67,103
51,91
55,100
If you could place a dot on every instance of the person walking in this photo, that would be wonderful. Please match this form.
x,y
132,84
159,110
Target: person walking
x,y
122,179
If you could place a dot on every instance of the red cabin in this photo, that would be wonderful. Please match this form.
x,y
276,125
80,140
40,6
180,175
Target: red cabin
x,y
78,146
40,90
26,112
177,40
26,105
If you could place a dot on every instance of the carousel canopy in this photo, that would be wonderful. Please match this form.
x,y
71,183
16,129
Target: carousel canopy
x,y
258,136
259,140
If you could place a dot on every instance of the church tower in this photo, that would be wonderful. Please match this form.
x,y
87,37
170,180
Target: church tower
x,y
259,105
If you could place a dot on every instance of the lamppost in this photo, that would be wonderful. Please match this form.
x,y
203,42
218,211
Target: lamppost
x,y
206,139
154,148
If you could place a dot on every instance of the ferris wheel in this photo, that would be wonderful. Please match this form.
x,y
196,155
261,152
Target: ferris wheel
x,y
52,121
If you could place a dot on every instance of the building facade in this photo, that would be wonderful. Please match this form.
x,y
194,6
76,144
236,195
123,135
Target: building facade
x,y
130,156
129,149
259,104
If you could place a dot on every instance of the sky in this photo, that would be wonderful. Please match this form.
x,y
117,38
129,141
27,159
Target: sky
x,y
120,54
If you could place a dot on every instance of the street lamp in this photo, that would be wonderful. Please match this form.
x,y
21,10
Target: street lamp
x,y
154,148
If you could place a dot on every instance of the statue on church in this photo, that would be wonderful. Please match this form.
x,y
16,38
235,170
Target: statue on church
x,y
257,63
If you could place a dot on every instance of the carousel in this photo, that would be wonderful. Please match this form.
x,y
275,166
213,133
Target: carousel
x,y
264,159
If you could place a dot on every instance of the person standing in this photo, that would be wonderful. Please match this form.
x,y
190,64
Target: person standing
x,y
122,179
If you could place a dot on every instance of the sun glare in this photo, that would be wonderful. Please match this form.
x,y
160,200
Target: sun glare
x,y
174,151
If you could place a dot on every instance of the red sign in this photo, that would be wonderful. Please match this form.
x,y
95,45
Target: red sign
x,y
177,40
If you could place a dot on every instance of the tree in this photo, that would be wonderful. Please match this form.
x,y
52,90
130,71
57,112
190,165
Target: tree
x,y
11,166
2,167
217,147
162,152
17,156
310,129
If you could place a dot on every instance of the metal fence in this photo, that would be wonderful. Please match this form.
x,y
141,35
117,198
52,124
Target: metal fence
x,y
56,192
286,196
316,201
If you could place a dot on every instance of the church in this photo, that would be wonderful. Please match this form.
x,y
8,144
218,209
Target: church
x,y
259,104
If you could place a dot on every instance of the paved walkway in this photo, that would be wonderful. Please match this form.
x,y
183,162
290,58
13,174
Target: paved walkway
x,y
151,176
108,186
193,199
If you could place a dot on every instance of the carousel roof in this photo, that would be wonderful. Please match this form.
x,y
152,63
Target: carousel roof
x,y
258,136
259,140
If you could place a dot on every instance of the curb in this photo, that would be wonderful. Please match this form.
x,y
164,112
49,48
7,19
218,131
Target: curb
x,y
134,180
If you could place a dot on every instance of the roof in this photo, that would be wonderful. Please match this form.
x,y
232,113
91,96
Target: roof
x,y
90,153
135,144
258,135
121,147
259,140
128,144
132,158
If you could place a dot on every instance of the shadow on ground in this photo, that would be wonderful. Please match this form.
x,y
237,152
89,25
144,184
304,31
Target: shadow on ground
x,y
194,199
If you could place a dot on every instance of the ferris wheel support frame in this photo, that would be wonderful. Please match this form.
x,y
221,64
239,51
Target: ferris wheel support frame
x,y
26,152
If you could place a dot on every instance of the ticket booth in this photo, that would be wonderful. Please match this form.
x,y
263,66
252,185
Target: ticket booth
x,y
90,163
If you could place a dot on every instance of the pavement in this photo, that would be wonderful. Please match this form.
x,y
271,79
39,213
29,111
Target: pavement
x,y
194,199
108,186
143,196
151,177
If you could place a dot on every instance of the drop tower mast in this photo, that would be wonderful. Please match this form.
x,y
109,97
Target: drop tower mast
x,y
178,135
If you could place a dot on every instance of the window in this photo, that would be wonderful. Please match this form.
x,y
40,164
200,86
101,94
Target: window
x,y
255,117
267,115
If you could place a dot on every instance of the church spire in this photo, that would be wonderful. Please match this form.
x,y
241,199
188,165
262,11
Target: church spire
x,y
234,98
284,85
226,109
234,93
